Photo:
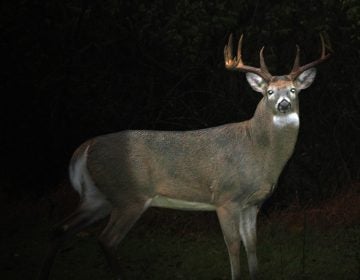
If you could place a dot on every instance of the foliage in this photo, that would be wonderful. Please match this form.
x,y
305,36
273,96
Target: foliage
x,y
76,69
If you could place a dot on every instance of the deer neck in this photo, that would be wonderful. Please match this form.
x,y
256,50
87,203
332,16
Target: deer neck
x,y
275,134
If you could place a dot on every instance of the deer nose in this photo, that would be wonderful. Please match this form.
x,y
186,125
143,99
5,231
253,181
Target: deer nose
x,y
284,106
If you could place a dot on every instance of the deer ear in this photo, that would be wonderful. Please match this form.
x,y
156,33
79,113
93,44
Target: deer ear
x,y
305,79
256,82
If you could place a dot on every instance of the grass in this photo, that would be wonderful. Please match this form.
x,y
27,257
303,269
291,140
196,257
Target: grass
x,y
168,244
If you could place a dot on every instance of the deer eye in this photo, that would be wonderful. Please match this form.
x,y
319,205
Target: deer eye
x,y
270,92
293,90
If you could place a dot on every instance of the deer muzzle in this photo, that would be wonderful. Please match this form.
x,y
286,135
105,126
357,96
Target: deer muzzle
x,y
284,106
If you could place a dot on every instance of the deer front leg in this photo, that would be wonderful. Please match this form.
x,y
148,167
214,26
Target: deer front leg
x,y
229,222
248,236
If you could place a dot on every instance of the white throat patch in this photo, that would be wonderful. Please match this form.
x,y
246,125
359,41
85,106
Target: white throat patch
x,y
291,119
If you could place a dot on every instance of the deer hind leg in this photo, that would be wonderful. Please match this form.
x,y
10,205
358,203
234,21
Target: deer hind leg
x,y
248,236
122,219
229,221
84,216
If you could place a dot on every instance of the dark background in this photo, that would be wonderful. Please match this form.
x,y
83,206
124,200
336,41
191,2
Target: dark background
x,y
72,70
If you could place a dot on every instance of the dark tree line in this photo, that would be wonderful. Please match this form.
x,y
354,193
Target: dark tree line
x,y
75,69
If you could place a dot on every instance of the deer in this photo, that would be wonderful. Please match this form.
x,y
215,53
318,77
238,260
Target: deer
x,y
230,169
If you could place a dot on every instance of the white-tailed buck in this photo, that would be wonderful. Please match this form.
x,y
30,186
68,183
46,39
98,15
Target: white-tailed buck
x,y
230,169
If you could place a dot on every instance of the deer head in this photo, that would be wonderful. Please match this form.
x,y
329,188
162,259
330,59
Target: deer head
x,y
281,92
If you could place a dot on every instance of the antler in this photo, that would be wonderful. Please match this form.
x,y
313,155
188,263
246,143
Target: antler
x,y
236,63
297,70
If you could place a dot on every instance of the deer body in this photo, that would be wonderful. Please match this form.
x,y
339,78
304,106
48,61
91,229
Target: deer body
x,y
230,169
205,167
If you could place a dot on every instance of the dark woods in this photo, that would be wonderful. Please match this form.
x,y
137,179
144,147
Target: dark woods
x,y
75,69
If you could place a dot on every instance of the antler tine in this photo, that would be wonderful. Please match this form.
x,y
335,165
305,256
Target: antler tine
x,y
228,53
322,45
263,66
297,70
296,65
238,55
236,63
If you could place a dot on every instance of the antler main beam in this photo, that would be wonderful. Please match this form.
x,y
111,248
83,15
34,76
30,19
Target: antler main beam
x,y
236,63
297,69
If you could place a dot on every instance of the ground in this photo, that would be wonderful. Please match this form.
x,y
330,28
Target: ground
x,y
312,243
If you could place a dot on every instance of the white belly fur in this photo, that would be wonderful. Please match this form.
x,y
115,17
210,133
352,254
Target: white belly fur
x,y
166,202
